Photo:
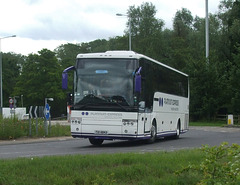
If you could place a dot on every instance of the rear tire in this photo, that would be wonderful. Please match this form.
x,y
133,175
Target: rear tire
x,y
153,132
96,142
178,131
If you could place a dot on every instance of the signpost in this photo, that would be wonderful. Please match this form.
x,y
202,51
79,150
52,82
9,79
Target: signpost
x,y
35,112
47,111
40,111
30,124
47,114
36,116
12,106
11,102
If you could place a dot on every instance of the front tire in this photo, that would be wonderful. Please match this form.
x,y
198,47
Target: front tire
x,y
96,142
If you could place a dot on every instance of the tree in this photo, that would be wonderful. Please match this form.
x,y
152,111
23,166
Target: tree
x,y
118,43
204,85
182,23
145,28
11,70
99,45
235,100
230,17
66,54
181,39
41,78
227,51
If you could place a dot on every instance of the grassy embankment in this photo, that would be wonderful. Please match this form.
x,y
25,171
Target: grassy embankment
x,y
131,168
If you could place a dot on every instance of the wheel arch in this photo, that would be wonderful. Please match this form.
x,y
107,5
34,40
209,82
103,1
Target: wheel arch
x,y
154,121
179,123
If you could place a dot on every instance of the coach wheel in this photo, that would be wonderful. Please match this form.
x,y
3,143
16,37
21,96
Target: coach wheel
x,y
96,142
178,130
153,132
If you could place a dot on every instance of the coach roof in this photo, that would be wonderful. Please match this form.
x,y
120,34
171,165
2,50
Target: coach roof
x,y
124,54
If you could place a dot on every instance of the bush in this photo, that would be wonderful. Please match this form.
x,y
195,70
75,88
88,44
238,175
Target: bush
x,y
220,165
12,128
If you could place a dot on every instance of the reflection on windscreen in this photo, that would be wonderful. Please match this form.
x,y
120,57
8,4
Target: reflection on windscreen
x,y
108,79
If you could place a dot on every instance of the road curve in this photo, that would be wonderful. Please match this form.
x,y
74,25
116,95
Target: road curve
x,y
196,137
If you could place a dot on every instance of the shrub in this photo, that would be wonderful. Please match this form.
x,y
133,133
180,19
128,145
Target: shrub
x,y
220,165
12,128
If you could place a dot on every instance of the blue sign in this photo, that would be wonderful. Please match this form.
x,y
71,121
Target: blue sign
x,y
47,111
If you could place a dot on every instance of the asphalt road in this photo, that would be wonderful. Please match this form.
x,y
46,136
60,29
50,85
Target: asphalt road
x,y
69,146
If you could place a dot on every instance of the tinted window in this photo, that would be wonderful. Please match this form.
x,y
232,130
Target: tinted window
x,y
157,78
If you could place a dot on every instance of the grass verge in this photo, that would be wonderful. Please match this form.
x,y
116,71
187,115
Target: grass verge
x,y
131,168
13,129
210,124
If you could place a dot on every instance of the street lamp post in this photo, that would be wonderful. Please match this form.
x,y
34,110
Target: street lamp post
x,y
130,40
1,81
207,30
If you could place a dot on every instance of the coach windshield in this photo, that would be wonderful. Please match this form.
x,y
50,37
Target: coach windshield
x,y
100,82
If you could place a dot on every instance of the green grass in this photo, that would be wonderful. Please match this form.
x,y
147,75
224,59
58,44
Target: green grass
x,y
13,129
131,168
210,124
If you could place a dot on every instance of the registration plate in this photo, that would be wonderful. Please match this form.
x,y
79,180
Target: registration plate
x,y
102,132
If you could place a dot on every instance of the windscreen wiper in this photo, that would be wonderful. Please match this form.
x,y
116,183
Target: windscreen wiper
x,y
80,106
91,98
115,99
124,108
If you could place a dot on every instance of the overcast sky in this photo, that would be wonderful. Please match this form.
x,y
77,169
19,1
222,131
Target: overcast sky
x,y
42,24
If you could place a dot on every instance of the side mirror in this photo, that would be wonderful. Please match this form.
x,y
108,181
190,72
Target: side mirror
x,y
64,81
65,77
138,81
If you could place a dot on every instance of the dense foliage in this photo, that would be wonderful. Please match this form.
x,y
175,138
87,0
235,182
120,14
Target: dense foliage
x,y
214,81
220,165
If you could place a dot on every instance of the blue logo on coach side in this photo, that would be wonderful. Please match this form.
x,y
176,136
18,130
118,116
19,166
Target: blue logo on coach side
x,y
160,100
85,113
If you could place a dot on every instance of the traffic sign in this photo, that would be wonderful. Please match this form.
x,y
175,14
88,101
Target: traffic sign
x,y
47,111
11,101
35,111
30,112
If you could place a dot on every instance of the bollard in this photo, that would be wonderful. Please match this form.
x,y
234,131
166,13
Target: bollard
x,y
230,119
